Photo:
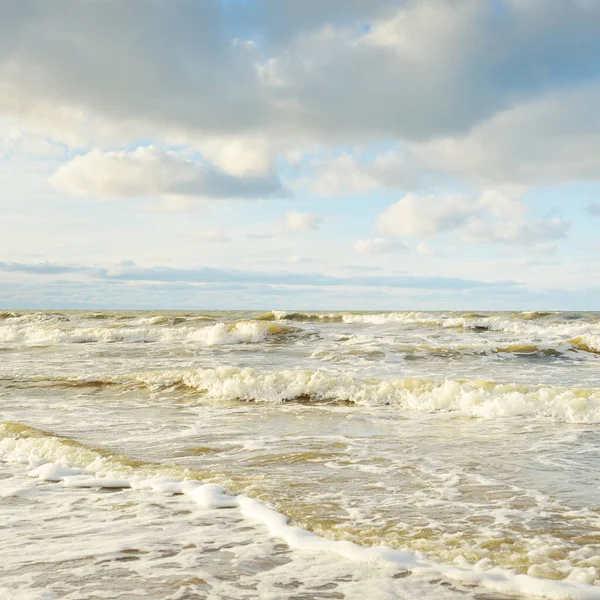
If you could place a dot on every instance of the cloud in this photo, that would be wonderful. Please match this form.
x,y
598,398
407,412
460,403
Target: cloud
x,y
352,174
429,69
239,155
416,215
342,175
492,217
425,249
48,268
299,221
515,232
379,246
127,271
150,171
297,259
193,72
213,235
260,235
15,140
543,141
593,209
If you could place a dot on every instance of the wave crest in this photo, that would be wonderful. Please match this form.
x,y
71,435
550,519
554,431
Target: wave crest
x,y
473,398
209,335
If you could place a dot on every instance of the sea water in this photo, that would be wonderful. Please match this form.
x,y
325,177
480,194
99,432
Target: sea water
x,y
239,455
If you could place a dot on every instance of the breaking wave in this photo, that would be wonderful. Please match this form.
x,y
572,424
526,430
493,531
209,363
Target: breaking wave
x,y
526,324
472,398
208,335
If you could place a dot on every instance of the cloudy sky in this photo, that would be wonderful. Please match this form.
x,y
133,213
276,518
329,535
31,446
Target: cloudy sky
x,y
325,154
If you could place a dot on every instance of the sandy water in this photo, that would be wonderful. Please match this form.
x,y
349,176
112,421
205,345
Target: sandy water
x,y
466,443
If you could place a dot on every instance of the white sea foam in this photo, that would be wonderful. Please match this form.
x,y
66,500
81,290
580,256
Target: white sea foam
x,y
525,325
209,335
590,342
522,327
409,318
211,496
477,398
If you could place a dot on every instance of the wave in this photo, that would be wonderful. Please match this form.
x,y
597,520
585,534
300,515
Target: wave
x,y
302,317
587,343
516,349
534,314
414,352
529,324
51,458
33,317
174,319
472,398
569,325
211,335
351,317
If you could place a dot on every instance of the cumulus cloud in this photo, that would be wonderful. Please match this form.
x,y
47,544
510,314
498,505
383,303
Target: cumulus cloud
x,y
150,171
490,217
240,155
299,221
379,246
416,215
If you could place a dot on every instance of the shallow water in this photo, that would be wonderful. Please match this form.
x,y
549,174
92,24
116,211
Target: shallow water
x,y
468,443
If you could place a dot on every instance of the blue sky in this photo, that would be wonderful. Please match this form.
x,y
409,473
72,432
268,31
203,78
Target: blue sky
x,y
340,154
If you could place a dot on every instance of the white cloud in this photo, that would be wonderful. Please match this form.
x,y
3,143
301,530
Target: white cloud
x,y
425,249
260,235
347,174
505,204
515,232
489,218
532,233
546,140
213,235
149,171
15,140
299,221
416,215
379,246
297,259
239,156
342,175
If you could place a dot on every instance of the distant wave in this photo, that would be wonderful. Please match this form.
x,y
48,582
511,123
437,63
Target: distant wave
x,y
530,323
208,335
541,333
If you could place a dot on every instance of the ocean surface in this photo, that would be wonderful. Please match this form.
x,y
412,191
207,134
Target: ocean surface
x,y
180,455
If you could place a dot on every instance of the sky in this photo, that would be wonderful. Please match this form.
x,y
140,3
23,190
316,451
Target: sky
x,y
300,154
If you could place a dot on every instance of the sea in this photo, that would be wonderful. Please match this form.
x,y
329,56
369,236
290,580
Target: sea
x,y
299,455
